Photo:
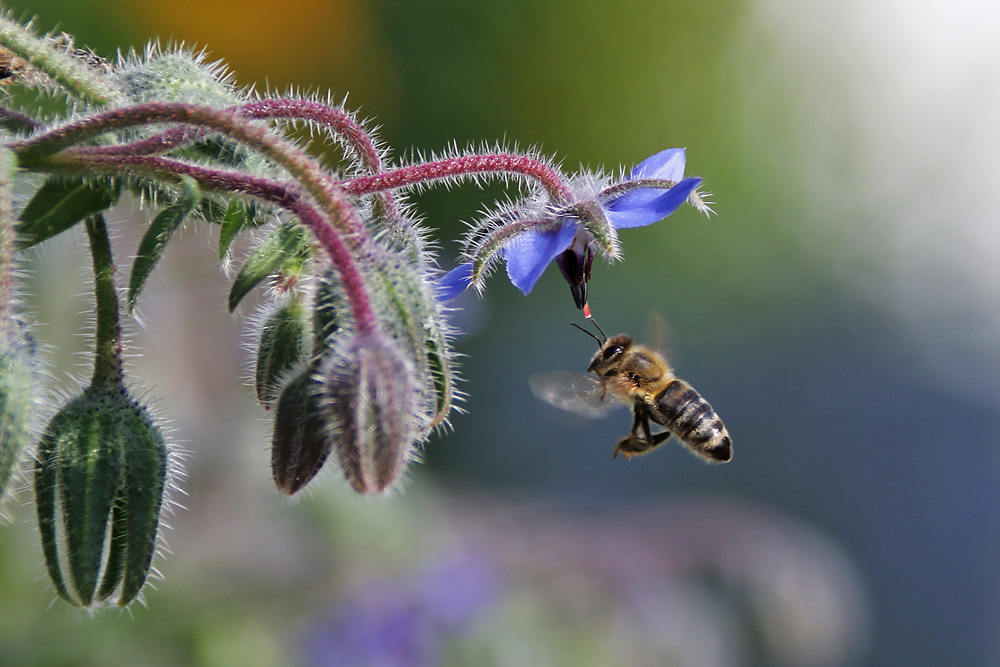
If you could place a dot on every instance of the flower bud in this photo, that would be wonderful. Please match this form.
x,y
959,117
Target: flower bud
x,y
282,344
371,404
300,445
328,306
174,76
413,319
100,476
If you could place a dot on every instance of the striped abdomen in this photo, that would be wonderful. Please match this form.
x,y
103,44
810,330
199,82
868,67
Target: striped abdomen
x,y
689,417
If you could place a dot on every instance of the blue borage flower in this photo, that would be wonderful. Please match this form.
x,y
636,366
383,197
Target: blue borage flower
x,y
530,236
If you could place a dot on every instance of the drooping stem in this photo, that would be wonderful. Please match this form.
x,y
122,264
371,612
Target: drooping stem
x,y
499,164
341,123
344,127
338,230
16,121
289,197
43,149
107,334
175,137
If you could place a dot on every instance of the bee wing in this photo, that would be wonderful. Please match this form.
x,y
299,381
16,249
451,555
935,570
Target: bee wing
x,y
574,392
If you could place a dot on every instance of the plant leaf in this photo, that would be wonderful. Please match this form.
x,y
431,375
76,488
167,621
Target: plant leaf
x,y
284,251
236,219
154,241
61,203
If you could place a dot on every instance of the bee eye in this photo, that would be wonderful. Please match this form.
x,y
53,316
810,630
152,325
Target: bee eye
x,y
612,351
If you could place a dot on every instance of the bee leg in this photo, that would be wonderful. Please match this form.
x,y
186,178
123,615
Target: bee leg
x,y
640,418
636,444
633,445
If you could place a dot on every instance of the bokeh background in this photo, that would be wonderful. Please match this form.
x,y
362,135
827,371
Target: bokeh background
x,y
840,311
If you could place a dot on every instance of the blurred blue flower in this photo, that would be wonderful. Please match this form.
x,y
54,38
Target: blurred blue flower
x,y
654,189
405,624
382,630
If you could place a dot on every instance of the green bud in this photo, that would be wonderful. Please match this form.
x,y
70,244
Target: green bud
x,y
178,75
383,391
300,445
100,476
328,303
282,344
174,76
411,317
371,404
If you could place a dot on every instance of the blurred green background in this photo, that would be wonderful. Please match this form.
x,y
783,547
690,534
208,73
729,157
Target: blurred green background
x,y
840,312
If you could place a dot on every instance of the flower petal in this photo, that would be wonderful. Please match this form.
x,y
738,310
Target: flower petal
x,y
668,165
630,210
454,282
529,253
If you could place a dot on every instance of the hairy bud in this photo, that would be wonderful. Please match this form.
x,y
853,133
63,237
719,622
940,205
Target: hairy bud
x,y
100,476
413,319
174,76
300,445
370,404
282,345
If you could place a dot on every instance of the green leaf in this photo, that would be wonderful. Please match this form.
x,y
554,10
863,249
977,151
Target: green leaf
x,y
154,242
61,203
232,224
284,251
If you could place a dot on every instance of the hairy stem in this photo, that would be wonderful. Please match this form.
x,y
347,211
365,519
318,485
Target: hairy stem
x,y
289,197
339,232
16,121
466,165
72,74
107,335
342,124
175,137
337,120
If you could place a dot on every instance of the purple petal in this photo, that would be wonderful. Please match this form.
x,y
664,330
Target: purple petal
x,y
454,282
632,211
529,253
668,165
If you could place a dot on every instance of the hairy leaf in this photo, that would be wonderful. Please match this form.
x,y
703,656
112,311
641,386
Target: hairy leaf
x,y
284,251
61,203
154,242
235,220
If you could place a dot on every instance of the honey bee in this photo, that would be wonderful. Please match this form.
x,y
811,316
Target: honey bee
x,y
632,374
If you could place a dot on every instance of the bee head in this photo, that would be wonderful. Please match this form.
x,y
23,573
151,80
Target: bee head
x,y
607,358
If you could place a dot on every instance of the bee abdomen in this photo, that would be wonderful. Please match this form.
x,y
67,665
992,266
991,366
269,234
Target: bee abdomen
x,y
690,417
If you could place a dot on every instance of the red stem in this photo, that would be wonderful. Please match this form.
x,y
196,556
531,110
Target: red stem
x,y
289,197
465,165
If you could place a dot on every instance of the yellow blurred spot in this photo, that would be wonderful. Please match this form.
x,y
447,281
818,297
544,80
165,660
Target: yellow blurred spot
x,y
290,42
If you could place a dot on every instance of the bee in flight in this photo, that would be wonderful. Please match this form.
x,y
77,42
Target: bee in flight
x,y
632,374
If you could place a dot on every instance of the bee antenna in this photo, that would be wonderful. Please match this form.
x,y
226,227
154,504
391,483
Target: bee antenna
x,y
589,333
604,336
